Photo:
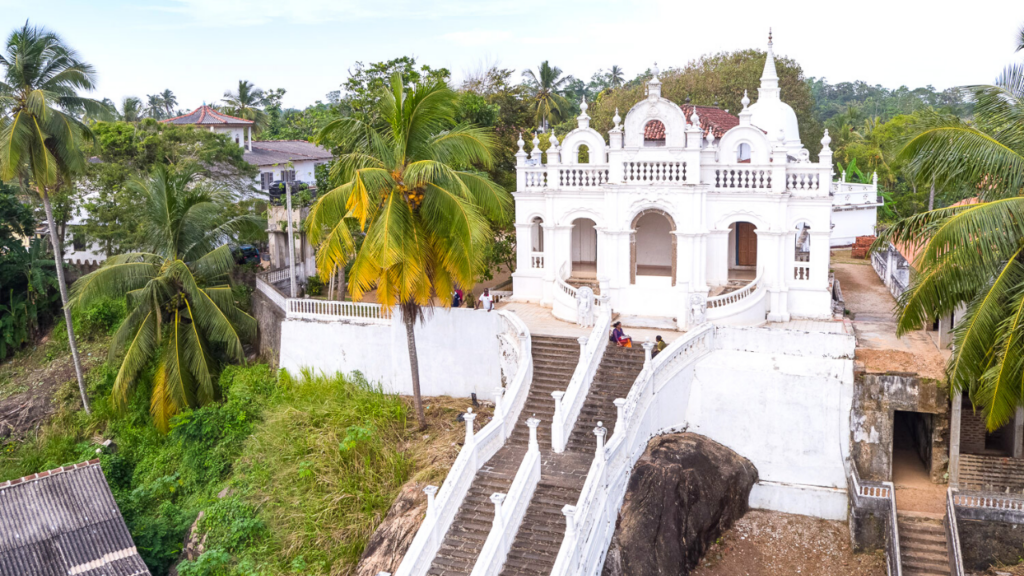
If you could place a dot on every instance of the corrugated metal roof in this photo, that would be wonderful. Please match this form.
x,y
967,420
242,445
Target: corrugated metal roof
x,y
64,522
270,152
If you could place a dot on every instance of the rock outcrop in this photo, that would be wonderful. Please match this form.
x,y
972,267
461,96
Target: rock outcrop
x,y
387,546
685,491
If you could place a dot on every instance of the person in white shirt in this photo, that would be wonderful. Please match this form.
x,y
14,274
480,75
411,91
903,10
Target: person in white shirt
x,y
486,302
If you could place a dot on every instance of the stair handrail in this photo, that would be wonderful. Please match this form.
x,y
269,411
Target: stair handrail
x,y
591,522
736,295
475,452
510,510
892,535
956,558
569,403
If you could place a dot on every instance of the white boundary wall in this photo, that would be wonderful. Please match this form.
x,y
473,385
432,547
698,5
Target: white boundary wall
x,y
458,351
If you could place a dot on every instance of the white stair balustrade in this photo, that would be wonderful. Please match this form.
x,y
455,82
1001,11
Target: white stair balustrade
x,y
477,450
591,522
569,403
735,296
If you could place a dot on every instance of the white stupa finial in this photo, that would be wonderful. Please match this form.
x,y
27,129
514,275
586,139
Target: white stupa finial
x,y
710,137
825,140
769,65
520,142
553,139
617,119
694,118
745,101
584,106
655,71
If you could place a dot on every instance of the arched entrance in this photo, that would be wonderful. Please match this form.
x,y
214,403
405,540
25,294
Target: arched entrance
x,y
652,246
742,253
583,250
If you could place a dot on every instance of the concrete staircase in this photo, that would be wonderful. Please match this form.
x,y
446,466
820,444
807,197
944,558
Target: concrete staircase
x,y
991,473
615,376
922,544
536,545
554,360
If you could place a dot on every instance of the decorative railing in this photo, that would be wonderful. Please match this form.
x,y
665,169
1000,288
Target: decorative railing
x,y
736,295
879,496
499,295
565,304
275,276
582,177
985,500
537,260
956,558
591,522
477,450
510,509
880,263
742,178
312,309
804,180
535,177
651,172
801,271
568,403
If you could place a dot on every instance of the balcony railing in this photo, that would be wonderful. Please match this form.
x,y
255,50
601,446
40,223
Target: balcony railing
x,y
742,178
652,172
582,177
537,260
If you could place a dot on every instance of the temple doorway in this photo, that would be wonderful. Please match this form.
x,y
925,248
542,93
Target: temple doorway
x,y
584,247
653,250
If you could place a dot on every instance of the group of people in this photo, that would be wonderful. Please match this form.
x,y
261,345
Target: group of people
x,y
485,301
619,337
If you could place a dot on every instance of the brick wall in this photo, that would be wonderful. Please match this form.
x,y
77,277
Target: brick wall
x,y
972,431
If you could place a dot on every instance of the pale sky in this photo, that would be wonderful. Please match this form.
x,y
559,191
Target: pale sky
x,y
200,48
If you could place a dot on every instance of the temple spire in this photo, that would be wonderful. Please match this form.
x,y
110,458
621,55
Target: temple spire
x,y
769,78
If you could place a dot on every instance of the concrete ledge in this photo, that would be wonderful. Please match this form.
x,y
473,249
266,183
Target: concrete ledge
x,y
817,501
796,343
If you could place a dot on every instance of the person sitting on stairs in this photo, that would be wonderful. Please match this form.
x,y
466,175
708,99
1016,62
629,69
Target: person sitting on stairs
x,y
619,337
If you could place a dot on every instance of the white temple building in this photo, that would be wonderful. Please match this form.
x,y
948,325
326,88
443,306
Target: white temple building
x,y
672,220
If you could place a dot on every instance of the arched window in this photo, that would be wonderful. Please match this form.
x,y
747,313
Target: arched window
x,y
743,153
802,252
583,154
654,133
537,234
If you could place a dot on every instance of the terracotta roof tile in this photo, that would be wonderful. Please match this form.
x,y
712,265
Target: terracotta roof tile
x,y
712,118
654,130
207,116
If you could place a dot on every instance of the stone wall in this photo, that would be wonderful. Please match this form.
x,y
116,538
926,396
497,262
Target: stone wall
x,y
984,543
972,431
268,319
875,398
867,529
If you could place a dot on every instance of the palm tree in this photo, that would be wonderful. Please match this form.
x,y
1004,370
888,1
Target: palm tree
x,y
131,109
616,76
545,84
170,101
39,136
406,184
155,106
973,255
180,304
247,104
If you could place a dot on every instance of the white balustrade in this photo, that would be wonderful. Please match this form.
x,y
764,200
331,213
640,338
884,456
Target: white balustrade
x,y
743,177
804,180
801,271
653,172
953,549
569,403
474,453
577,177
591,522
313,309
272,293
736,295
993,501
537,260
535,177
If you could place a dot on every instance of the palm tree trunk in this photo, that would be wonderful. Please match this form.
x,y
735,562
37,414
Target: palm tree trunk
x,y
341,283
409,320
931,197
59,256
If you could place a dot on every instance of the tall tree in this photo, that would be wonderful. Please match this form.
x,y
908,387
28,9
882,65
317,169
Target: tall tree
x,y
39,137
170,101
545,84
973,254
615,76
131,109
155,106
180,304
406,185
247,103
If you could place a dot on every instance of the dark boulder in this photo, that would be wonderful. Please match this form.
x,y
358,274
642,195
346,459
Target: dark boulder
x,y
685,491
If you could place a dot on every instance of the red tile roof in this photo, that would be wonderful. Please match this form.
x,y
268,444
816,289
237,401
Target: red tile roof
x,y
712,118
207,116
654,130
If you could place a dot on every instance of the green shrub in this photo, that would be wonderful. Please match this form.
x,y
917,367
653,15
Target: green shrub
x,y
314,287
101,318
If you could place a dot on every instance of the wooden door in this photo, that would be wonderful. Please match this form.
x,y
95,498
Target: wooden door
x,y
746,244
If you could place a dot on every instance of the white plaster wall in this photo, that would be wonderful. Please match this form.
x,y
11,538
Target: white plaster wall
x,y
305,171
788,415
457,350
848,224
232,133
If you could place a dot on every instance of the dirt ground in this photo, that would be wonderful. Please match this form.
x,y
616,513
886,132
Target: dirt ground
x,y
28,383
872,308
775,544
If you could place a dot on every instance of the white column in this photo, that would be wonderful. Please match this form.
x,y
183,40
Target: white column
x,y
498,393
620,404
533,423
431,491
954,439
569,512
600,432
770,263
648,346
497,498
820,254
558,423
469,417
249,133
718,257
524,248
1018,432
